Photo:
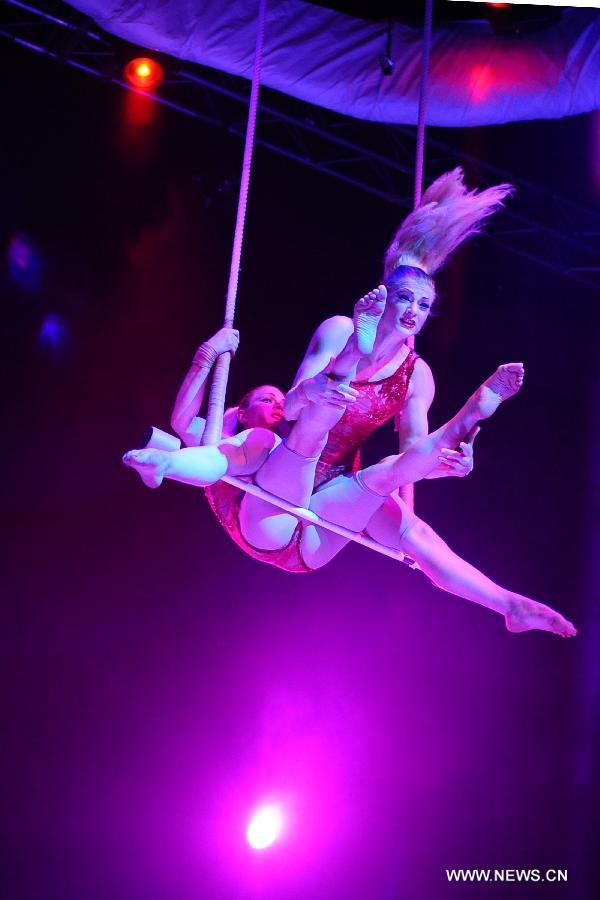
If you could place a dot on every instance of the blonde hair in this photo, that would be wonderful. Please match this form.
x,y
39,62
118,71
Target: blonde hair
x,y
448,215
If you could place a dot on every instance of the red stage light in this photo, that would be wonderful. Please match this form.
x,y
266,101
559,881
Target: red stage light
x,y
499,5
144,73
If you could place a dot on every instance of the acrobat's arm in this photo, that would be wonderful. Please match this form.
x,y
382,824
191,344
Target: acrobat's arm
x,y
413,424
310,382
185,420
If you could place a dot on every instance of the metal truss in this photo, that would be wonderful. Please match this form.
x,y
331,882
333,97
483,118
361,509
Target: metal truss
x,y
548,229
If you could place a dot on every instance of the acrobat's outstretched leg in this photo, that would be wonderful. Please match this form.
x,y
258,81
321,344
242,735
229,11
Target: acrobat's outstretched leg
x,y
351,501
242,454
451,573
418,461
395,525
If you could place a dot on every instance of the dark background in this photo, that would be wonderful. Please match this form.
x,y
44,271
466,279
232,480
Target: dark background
x,y
157,683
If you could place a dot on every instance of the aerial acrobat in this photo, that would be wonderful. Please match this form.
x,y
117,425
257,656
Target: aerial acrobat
x,y
357,374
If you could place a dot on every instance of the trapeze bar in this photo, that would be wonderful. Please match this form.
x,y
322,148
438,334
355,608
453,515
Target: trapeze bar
x,y
307,515
162,440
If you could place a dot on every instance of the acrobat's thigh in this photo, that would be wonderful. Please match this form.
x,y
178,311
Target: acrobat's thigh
x,y
269,528
287,475
319,546
389,524
343,501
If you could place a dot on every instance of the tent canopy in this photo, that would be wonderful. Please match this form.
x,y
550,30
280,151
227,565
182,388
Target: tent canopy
x,y
330,59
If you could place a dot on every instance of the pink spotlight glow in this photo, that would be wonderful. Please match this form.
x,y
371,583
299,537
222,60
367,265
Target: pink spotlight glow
x,y
265,827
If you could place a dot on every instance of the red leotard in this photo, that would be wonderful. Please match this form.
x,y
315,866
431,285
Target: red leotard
x,y
378,401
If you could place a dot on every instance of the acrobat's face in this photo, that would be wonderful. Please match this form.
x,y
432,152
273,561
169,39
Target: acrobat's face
x,y
409,302
264,408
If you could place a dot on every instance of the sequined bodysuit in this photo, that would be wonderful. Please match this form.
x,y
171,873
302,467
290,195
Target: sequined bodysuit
x,y
377,402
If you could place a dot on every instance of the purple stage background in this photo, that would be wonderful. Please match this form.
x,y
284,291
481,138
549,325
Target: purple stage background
x,y
157,683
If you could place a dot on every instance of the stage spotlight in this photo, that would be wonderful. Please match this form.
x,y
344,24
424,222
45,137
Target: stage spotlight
x,y
144,73
23,262
265,827
54,333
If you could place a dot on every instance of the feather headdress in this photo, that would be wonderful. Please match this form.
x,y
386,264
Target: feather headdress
x,y
448,214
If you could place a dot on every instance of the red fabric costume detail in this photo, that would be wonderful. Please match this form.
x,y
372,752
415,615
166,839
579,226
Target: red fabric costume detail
x,y
378,401
225,501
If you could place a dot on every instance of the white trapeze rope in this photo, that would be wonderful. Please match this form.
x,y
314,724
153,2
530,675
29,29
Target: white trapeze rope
x,y
423,98
216,403
409,493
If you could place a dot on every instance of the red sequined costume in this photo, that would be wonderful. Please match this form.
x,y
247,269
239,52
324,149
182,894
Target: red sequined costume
x,y
378,401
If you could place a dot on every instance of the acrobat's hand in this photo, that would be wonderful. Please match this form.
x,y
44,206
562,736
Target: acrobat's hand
x,y
458,463
224,341
327,389
231,422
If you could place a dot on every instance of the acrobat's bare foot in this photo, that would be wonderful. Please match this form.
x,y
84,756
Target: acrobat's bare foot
x,y
527,615
506,381
151,465
367,313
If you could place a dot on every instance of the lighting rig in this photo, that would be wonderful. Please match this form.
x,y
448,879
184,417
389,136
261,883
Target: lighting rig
x,y
551,231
